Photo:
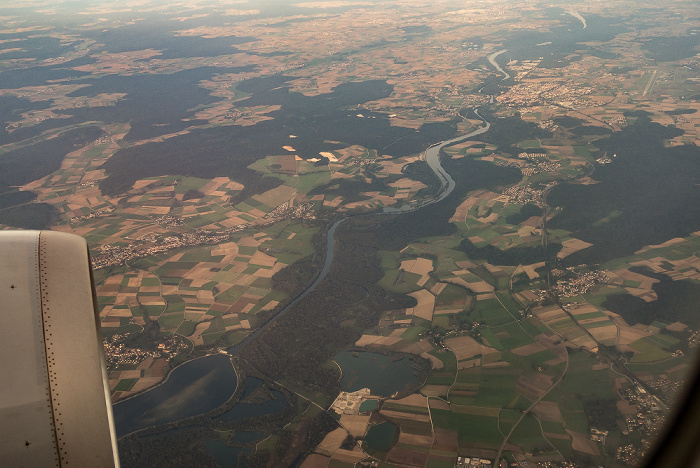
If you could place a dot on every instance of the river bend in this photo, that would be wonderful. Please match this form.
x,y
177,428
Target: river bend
x,y
191,388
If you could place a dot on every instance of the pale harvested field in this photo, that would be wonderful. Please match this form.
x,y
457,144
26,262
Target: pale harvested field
x,y
214,184
584,341
420,266
232,219
536,384
411,186
572,245
581,443
144,383
527,233
249,242
526,296
196,337
549,343
469,363
349,456
645,294
120,313
530,270
332,441
146,363
446,440
466,347
477,286
419,347
205,297
439,404
414,399
437,289
490,219
447,310
399,456
462,210
129,374
668,243
582,308
630,334
426,305
265,273
434,390
548,411
497,364
677,327
410,416
606,335
528,349
415,439
315,460
355,423
549,314
330,156
554,435
435,363
646,282
593,320
366,340
262,259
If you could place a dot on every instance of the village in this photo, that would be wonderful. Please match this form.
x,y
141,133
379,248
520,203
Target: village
x,y
113,255
117,354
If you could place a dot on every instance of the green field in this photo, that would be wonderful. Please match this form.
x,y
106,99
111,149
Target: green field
x,y
125,385
471,429
649,351
186,328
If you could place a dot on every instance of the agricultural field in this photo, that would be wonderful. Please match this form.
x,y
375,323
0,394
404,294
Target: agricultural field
x,y
543,296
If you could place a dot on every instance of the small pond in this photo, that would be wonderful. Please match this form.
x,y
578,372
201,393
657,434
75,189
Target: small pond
x,y
380,436
243,410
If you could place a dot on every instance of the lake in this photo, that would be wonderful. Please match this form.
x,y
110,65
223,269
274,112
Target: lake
x,y
376,371
194,388
243,410
227,456
380,436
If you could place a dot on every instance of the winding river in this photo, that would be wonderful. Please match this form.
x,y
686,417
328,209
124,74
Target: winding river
x,y
204,384
492,59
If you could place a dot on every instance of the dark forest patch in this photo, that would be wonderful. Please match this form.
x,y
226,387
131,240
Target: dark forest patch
x,y
677,302
506,132
654,188
30,216
670,48
227,151
35,161
519,255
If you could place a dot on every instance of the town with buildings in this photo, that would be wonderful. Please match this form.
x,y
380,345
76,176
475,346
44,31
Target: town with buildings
x,y
119,355
575,282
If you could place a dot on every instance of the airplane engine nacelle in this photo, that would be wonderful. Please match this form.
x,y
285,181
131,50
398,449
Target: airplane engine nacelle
x,y
55,407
